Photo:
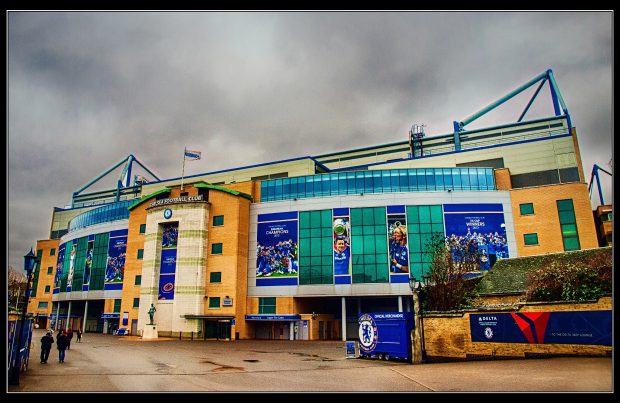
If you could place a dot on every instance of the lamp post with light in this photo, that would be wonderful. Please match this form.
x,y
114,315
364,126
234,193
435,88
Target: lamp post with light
x,y
419,352
29,261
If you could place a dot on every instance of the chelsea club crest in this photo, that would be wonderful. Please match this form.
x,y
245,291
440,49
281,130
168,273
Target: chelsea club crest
x,y
167,213
367,333
488,333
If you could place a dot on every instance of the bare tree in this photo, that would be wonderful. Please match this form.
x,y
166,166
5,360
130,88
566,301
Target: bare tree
x,y
450,262
16,285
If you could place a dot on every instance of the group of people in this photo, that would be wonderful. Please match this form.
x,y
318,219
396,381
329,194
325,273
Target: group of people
x,y
115,268
486,249
280,258
63,343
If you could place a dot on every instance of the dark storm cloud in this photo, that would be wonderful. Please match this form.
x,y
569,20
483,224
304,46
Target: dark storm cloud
x,y
88,89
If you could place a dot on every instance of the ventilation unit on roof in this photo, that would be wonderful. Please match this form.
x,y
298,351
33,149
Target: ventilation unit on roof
x,y
416,134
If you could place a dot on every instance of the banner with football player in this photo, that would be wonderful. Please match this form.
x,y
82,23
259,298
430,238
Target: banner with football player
x,y
276,249
397,242
341,227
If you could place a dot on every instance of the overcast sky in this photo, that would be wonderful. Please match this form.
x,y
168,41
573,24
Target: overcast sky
x,y
85,90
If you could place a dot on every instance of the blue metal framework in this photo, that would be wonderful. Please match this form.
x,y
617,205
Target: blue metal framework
x,y
123,182
595,170
559,106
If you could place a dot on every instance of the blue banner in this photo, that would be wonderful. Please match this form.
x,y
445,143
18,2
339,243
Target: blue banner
x,y
276,249
88,265
115,269
59,265
168,266
397,240
71,265
569,327
477,233
341,231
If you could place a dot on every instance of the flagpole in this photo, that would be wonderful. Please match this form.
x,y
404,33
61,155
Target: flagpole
x,y
183,171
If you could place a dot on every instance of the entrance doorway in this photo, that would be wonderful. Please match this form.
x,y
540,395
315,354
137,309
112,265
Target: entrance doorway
x,y
217,329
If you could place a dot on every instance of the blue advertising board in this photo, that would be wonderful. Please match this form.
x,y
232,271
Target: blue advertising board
x,y
477,228
276,252
569,327
167,268
115,268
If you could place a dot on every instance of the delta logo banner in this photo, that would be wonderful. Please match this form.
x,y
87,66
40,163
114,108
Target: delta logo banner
x,y
570,327
277,249
168,264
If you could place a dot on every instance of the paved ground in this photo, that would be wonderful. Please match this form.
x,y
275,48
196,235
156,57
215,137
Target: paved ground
x,y
112,363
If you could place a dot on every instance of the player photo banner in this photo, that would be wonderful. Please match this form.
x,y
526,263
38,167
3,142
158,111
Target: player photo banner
x,y
341,231
276,249
567,327
167,268
89,263
397,242
59,264
115,269
478,231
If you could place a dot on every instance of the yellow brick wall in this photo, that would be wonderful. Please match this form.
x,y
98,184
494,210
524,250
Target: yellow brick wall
x,y
502,179
45,279
450,335
133,265
545,220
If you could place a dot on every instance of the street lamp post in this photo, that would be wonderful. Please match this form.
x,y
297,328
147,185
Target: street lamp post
x,y
29,261
419,355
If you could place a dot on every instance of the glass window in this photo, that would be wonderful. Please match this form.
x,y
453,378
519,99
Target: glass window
x,y
530,239
136,302
216,249
117,305
267,305
49,270
214,302
140,253
138,280
218,220
142,228
526,208
47,289
52,251
42,305
215,277
568,224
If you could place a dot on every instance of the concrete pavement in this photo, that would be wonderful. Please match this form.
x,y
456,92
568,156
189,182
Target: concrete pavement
x,y
106,363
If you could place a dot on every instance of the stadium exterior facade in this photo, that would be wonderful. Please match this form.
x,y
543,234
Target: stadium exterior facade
x,y
296,249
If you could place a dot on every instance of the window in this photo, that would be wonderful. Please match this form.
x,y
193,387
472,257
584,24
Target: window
x,y
184,194
140,253
218,220
606,217
214,302
138,280
117,305
47,289
52,251
142,228
530,239
42,305
267,305
50,270
215,277
526,208
369,252
568,224
316,251
136,302
216,249
423,222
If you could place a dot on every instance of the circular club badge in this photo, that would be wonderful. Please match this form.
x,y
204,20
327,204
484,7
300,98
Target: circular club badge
x,y
168,287
488,333
167,213
367,332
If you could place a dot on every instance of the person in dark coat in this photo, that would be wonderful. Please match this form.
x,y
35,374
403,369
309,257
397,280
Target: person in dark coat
x,y
79,335
69,336
46,346
62,342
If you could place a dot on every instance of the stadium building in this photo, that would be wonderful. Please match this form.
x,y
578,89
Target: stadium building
x,y
296,249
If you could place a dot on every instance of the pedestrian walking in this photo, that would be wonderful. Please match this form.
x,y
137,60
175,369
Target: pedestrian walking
x,y
79,335
46,346
70,337
62,342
